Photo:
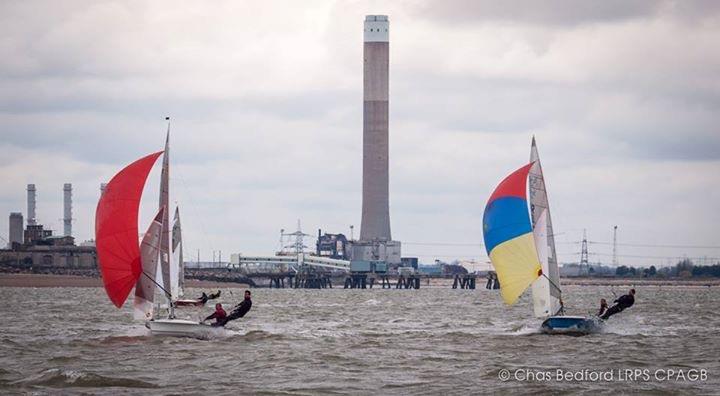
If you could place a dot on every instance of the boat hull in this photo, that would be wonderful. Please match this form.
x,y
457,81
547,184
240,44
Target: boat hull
x,y
181,328
572,325
189,303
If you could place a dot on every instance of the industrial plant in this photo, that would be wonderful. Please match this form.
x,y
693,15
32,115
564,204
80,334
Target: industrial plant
x,y
34,247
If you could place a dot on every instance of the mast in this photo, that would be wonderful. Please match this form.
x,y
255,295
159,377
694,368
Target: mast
x,y
177,288
164,204
538,204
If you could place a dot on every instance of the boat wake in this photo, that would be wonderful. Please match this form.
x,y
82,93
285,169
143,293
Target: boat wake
x,y
524,330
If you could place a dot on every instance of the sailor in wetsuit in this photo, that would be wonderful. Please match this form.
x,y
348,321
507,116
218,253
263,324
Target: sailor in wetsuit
x,y
240,310
621,304
219,315
603,307
204,297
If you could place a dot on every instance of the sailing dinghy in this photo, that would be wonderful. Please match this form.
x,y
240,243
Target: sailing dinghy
x,y
125,263
517,230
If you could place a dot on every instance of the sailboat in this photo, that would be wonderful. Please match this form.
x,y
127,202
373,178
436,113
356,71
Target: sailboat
x,y
519,240
125,263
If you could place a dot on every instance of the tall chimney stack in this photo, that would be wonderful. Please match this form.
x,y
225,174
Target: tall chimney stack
x,y
31,219
67,209
375,240
103,186
375,200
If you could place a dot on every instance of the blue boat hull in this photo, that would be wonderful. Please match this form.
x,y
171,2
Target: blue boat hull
x,y
574,325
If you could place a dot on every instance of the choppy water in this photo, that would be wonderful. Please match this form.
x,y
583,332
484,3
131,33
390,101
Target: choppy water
x,y
428,341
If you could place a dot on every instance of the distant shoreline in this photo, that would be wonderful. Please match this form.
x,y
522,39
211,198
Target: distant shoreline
x,y
45,280
52,280
640,282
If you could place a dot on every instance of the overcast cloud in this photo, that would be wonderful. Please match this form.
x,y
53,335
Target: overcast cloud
x,y
266,107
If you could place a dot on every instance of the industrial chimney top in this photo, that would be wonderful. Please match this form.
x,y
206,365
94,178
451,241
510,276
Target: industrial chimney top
x,y
376,28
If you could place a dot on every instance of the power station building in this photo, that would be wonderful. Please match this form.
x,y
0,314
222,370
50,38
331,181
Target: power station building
x,y
36,248
16,229
376,242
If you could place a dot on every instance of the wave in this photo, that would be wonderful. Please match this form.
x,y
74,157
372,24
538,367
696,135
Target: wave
x,y
258,335
5,372
63,359
58,378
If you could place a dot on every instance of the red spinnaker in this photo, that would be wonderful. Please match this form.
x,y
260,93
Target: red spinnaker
x,y
116,229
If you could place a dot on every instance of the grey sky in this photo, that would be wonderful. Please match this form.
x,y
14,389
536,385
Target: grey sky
x,y
266,104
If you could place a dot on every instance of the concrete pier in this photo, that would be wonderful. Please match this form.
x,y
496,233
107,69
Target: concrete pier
x,y
466,281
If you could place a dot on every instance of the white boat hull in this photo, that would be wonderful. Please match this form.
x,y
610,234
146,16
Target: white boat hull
x,y
181,328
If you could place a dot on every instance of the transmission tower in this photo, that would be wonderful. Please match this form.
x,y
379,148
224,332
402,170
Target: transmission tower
x,y
615,258
584,250
298,246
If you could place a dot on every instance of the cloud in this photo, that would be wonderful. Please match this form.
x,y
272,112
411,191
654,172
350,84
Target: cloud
x,y
558,12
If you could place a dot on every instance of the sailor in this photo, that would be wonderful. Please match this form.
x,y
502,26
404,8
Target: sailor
x,y
622,303
603,307
561,310
214,295
203,298
240,310
219,315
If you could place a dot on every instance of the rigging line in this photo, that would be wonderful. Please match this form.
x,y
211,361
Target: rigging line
x,y
552,283
560,311
167,294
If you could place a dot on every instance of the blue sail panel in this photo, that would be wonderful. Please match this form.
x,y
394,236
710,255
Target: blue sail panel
x,y
504,219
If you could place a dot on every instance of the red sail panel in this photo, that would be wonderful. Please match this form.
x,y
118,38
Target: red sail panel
x,y
515,185
116,229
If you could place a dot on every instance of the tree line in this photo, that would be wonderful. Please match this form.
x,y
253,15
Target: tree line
x,y
683,269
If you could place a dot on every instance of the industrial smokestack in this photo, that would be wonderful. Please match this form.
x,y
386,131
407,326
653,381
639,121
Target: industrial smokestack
x,y
375,203
16,229
103,186
375,241
31,219
67,209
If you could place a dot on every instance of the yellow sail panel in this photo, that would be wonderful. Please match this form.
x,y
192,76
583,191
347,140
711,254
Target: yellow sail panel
x,y
517,266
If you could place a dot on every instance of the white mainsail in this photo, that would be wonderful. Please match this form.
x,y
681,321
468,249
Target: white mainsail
x,y
539,207
145,286
177,266
164,203
544,304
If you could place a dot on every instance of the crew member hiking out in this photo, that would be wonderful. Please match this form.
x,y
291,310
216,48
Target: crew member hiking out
x,y
621,304
240,310
603,307
219,315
